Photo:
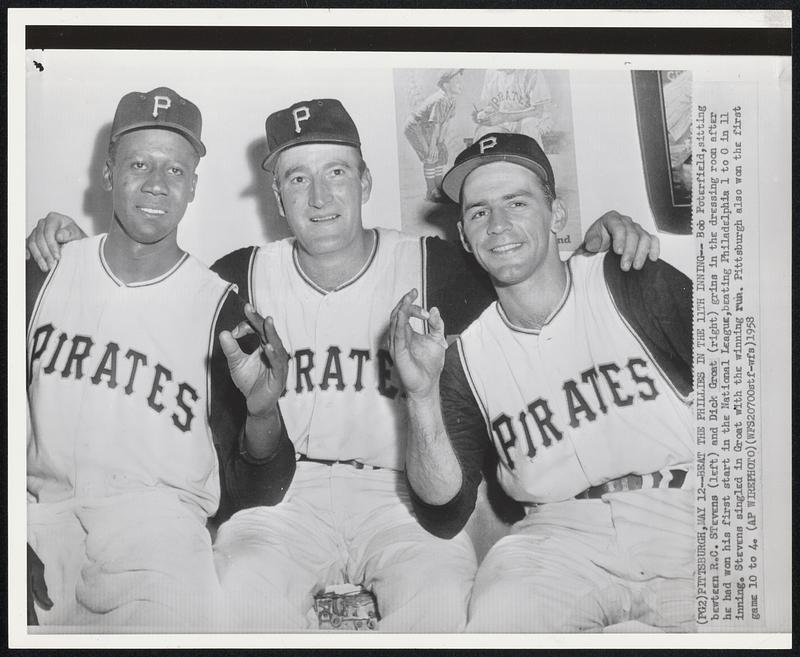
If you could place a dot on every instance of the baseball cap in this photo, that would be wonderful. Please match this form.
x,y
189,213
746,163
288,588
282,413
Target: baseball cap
x,y
323,120
448,75
159,108
498,147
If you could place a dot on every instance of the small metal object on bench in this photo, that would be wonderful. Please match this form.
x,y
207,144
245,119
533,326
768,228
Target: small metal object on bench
x,y
346,607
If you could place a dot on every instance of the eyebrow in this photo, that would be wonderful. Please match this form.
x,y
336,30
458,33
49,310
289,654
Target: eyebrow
x,y
505,197
300,167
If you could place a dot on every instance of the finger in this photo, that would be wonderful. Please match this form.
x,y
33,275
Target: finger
x,y
598,238
419,312
256,321
642,249
242,329
619,230
632,238
41,244
49,230
655,247
274,342
40,592
36,255
436,324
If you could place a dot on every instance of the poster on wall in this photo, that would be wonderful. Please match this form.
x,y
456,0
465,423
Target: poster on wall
x,y
440,112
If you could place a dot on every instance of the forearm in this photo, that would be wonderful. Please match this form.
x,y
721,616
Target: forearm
x,y
432,466
262,435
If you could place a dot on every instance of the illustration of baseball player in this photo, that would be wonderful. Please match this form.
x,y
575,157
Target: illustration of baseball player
x,y
427,126
135,420
515,101
347,517
579,377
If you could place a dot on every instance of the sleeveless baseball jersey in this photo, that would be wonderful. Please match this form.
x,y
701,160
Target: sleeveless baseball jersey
x,y
577,403
343,400
603,390
118,380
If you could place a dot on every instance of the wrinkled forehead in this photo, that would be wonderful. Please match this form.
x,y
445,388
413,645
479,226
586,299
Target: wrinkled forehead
x,y
315,155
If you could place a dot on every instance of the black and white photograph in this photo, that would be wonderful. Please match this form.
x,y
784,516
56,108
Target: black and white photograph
x,y
335,347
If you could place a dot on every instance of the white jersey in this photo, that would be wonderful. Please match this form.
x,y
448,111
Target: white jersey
x,y
342,399
118,380
577,403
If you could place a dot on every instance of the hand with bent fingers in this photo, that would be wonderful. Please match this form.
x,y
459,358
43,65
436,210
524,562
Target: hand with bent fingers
x,y
418,357
627,238
44,242
260,376
37,587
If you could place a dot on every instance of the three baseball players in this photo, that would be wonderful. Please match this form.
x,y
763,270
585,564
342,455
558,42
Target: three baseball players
x,y
135,419
330,289
579,377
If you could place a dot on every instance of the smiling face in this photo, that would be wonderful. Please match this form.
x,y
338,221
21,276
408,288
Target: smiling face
x,y
509,222
320,189
151,174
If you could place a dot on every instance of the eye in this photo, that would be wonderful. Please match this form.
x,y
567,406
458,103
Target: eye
x,y
518,204
297,180
338,171
478,214
138,166
176,171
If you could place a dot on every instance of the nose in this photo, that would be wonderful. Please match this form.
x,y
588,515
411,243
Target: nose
x,y
319,194
156,183
498,222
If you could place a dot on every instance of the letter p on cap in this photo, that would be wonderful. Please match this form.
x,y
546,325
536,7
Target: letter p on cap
x,y
161,102
486,144
300,114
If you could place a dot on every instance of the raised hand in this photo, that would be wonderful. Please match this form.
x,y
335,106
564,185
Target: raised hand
x,y
44,242
418,357
628,239
260,376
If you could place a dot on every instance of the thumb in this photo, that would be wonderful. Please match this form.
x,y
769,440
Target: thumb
x,y
230,347
68,234
596,241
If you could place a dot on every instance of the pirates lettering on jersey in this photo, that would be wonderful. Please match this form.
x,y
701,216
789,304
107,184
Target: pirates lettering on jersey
x,y
590,395
77,357
340,369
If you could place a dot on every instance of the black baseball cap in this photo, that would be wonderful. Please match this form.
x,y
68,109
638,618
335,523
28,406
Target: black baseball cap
x,y
498,147
160,108
322,120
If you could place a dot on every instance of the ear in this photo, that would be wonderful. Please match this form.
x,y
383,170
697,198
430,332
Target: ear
x,y
366,185
278,200
108,183
194,187
463,237
559,219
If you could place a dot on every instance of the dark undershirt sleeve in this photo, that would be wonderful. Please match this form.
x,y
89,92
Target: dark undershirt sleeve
x,y
34,279
657,303
456,284
244,482
467,432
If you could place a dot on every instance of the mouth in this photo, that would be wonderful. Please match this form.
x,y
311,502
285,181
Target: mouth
x,y
324,218
504,249
151,212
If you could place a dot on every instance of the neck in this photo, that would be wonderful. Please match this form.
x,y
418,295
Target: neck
x,y
330,270
133,262
529,303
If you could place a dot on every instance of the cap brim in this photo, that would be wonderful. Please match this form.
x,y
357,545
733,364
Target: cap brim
x,y
454,179
163,125
305,139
